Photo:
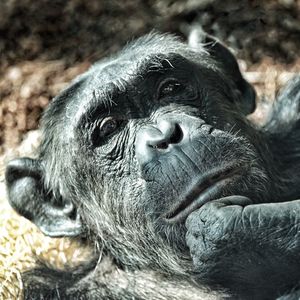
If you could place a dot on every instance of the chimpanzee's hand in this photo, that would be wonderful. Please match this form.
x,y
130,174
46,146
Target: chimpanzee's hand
x,y
246,248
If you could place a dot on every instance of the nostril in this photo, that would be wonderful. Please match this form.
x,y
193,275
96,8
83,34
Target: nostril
x,y
176,136
163,145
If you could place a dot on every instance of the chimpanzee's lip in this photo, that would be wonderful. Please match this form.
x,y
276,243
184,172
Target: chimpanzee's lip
x,y
207,188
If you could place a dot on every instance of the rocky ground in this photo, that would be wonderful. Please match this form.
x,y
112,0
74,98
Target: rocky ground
x,y
44,44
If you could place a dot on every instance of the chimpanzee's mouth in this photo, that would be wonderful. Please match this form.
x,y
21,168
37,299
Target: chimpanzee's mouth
x,y
207,188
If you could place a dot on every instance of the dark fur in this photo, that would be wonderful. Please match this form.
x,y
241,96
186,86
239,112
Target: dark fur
x,y
116,190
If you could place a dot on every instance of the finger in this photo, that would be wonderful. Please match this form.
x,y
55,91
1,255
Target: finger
x,y
233,200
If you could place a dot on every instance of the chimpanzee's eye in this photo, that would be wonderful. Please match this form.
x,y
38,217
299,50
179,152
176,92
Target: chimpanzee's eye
x,y
108,126
170,88
105,129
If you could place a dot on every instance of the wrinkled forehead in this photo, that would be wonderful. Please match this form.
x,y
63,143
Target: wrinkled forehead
x,y
149,53
104,80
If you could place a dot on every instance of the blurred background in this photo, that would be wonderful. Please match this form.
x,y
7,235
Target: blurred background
x,y
46,43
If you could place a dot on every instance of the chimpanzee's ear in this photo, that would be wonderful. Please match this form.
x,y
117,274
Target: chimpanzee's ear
x,y
221,54
54,217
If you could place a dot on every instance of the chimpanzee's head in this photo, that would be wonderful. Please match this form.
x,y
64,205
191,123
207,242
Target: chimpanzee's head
x,y
137,143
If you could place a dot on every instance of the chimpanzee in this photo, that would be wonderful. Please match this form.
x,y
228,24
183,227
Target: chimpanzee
x,y
150,156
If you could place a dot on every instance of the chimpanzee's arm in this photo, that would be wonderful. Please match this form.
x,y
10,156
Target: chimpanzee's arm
x,y
253,250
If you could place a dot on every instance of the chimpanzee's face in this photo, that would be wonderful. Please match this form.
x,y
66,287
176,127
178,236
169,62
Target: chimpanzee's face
x,y
139,142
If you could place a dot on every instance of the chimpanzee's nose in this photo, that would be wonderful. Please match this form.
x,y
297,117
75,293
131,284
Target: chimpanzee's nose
x,y
165,134
156,139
